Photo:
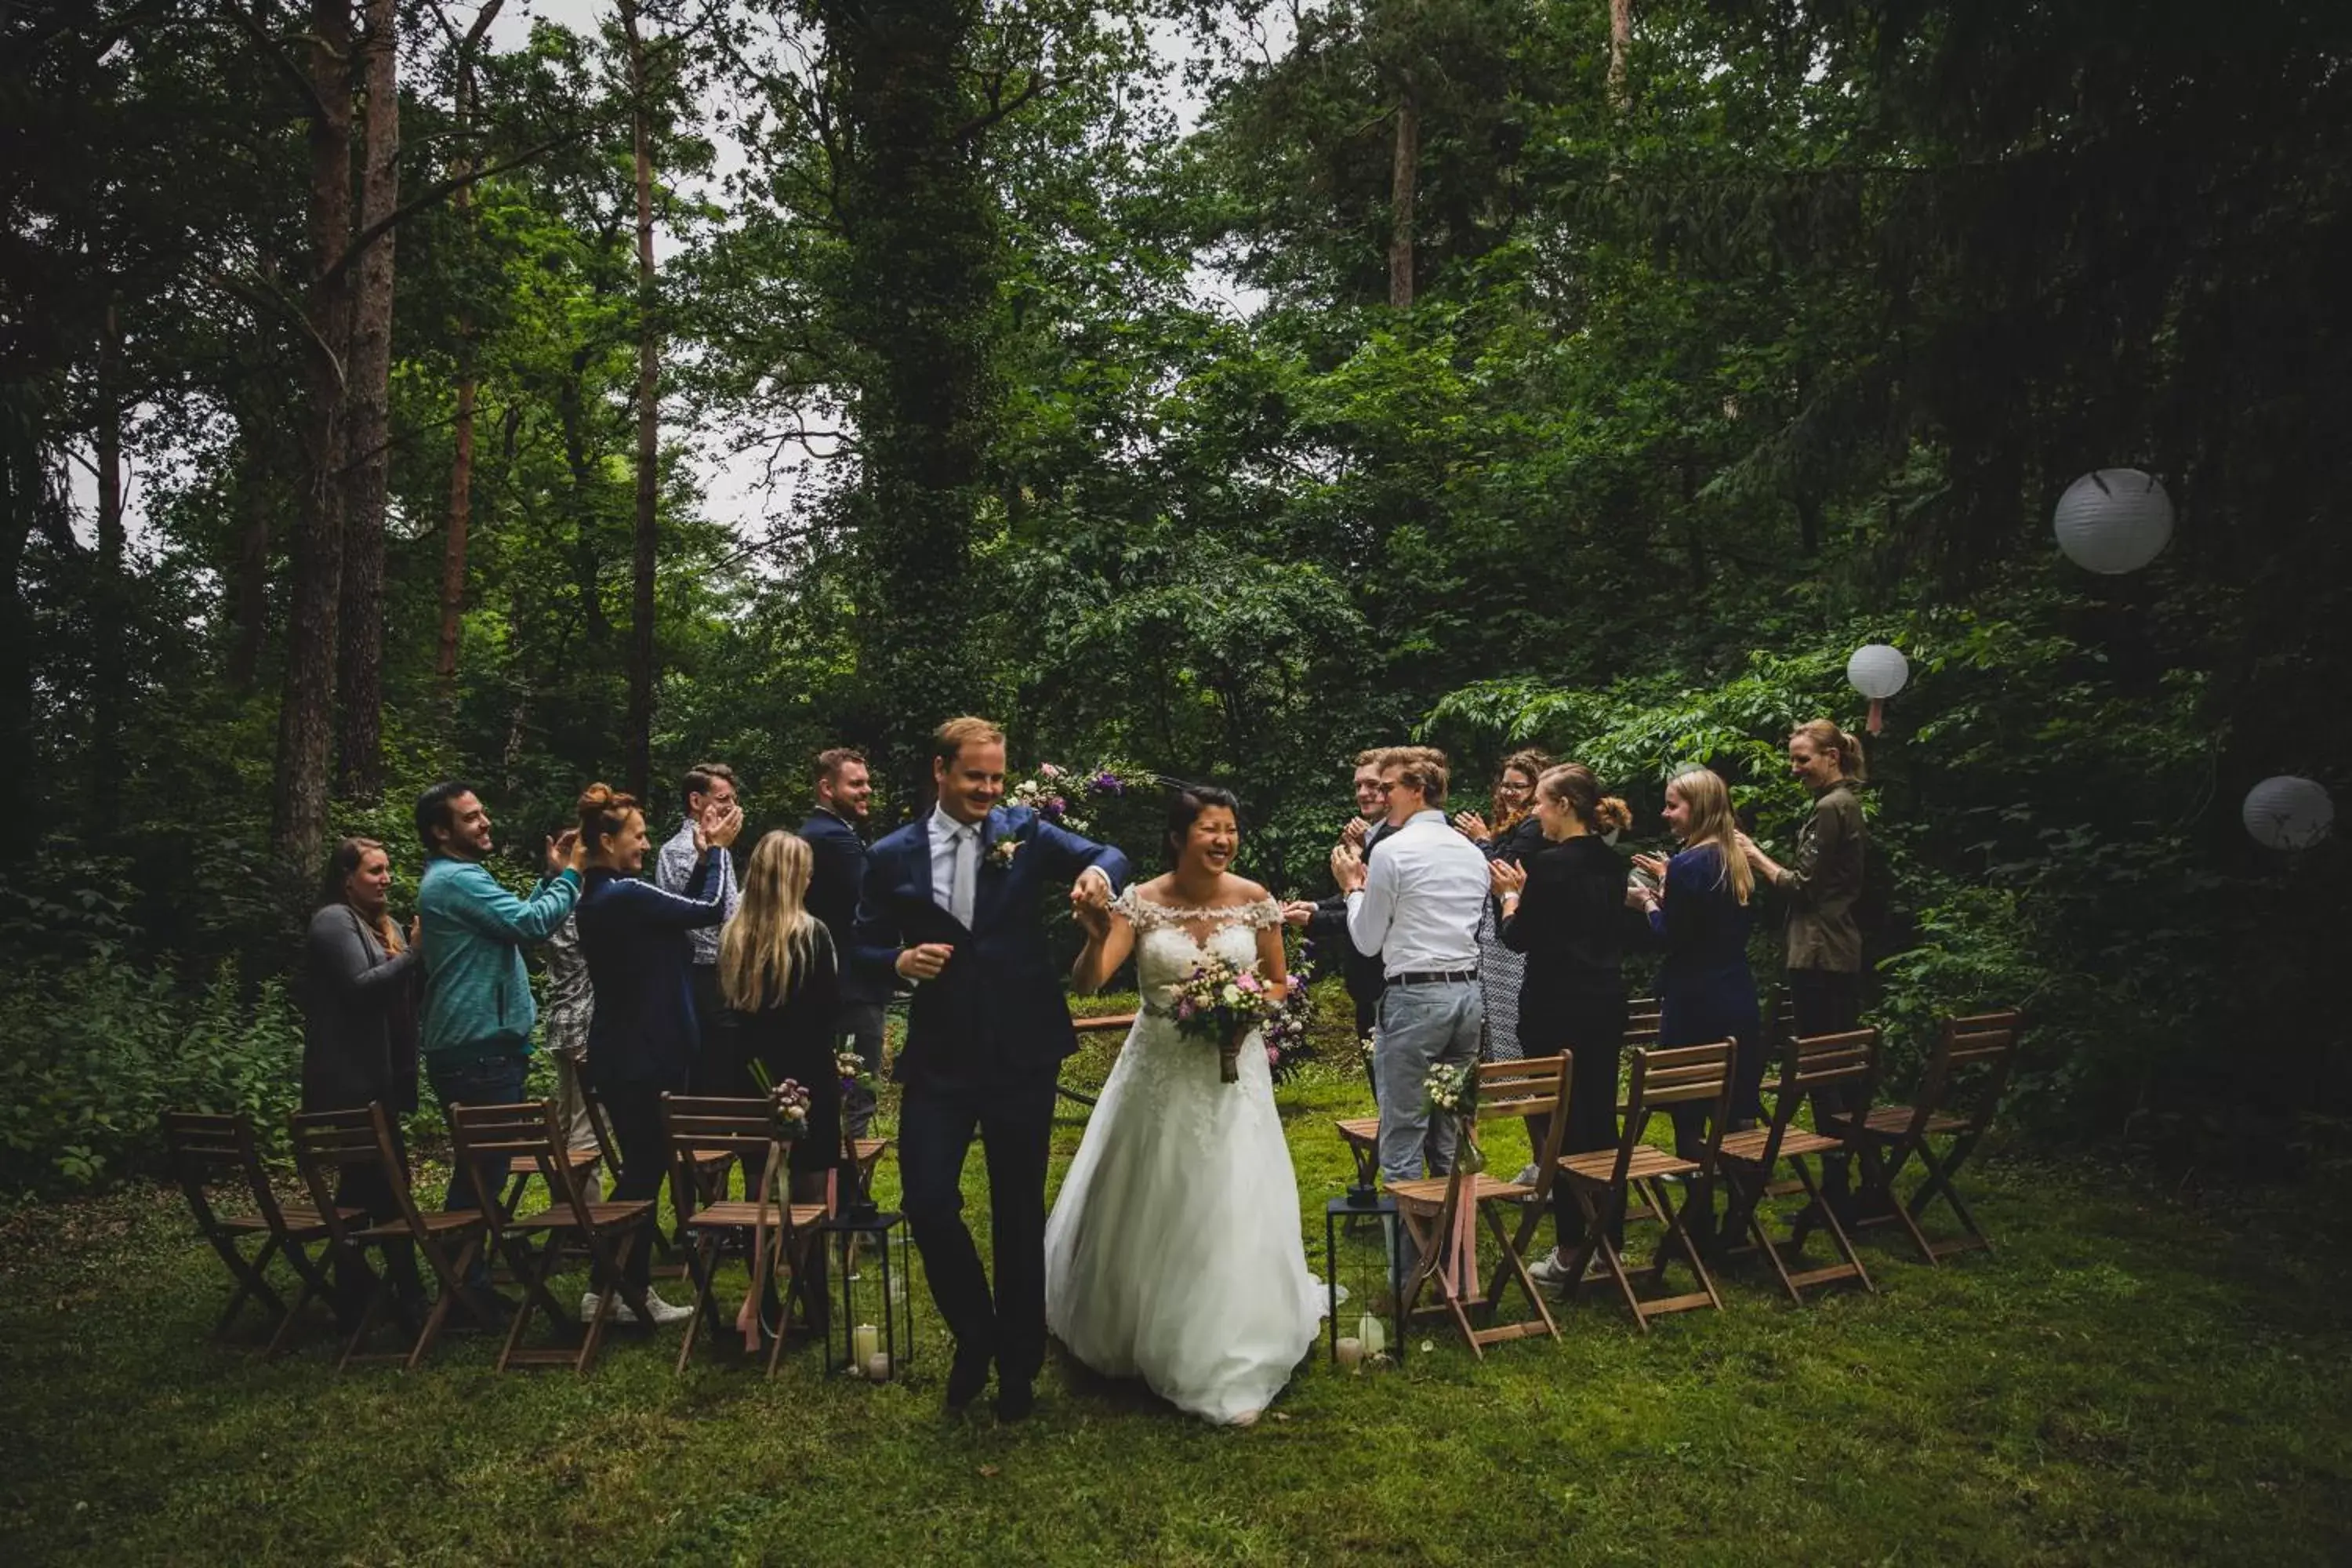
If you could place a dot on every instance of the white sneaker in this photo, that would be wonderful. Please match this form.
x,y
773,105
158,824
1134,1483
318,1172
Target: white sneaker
x,y
621,1313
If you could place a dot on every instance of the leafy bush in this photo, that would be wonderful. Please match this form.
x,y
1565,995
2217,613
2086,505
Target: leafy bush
x,y
91,1056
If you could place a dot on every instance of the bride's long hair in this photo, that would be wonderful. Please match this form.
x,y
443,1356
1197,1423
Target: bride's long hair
x,y
773,935
1185,805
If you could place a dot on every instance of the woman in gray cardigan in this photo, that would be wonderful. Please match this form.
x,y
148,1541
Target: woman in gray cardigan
x,y
360,991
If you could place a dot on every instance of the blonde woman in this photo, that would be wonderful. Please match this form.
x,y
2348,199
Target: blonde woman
x,y
1702,916
781,980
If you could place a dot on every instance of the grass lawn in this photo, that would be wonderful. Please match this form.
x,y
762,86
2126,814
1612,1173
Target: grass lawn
x,y
2126,1380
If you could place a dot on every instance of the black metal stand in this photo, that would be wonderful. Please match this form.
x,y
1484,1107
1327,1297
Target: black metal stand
x,y
1360,1203
897,1317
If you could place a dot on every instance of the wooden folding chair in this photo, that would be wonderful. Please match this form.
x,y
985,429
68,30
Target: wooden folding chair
x,y
1430,1208
206,1150
1641,1022
1361,1134
1750,1159
778,1233
491,1138
1957,1096
326,1143
1603,1183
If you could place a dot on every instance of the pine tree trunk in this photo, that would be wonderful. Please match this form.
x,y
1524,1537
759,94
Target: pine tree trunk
x,y
360,670
249,605
461,467
306,710
1403,183
110,653
1621,41
641,599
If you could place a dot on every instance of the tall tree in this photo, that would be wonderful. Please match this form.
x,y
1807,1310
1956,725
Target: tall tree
x,y
358,708
461,466
306,705
646,539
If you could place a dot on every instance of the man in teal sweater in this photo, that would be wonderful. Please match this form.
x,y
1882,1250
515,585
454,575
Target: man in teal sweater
x,y
479,1012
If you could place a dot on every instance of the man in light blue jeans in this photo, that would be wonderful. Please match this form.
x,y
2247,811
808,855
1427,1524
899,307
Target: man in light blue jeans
x,y
1418,906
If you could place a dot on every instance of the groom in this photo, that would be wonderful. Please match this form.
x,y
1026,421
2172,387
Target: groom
x,y
950,903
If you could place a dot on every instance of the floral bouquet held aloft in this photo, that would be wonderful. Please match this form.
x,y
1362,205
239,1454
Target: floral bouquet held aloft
x,y
1222,1005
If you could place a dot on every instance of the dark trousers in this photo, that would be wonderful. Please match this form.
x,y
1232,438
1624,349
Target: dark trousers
x,y
480,1080
1829,1002
1592,1030
860,1029
1014,1116
633,1112
364,1187
719,1066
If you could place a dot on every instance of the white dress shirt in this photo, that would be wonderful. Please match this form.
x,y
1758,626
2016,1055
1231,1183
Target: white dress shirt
x,y
955,864
1424,894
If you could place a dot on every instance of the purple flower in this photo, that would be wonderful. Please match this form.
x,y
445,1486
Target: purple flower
x,y
1106,782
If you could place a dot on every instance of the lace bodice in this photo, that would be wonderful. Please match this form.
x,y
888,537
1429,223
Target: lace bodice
x,y
1168,940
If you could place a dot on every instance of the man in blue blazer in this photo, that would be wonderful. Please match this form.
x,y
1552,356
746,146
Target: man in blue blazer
x,y
951,905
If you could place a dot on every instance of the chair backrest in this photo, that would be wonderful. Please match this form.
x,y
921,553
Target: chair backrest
x,y
1641,1021
1781,1021
1537,1086
206,1150
327,1142
490,1136
1662,1077
710,1124
1817,1061
1969,1070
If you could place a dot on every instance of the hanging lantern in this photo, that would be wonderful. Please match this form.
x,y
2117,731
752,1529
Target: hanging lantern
x,y
2288,811
1878,672
2114,520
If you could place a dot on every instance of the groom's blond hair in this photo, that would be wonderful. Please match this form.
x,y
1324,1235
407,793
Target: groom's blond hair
x,y
950,738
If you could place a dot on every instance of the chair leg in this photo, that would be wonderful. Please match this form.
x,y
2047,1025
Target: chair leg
x,y
314,1288
1815,1204
379,1295
1512,1265
699,1259
252,1282
1678,1231
1938,1184
454,1290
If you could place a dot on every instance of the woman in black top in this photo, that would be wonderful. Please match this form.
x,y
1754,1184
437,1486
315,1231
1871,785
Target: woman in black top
x,y
361,987
779,979
1515,835
1566,911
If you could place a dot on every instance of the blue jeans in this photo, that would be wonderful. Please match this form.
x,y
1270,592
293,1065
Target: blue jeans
x,y
1422,1026
479,1080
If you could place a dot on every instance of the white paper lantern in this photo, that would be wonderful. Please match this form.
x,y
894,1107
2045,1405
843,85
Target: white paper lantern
x,y
1878,672
2114,520
2288,811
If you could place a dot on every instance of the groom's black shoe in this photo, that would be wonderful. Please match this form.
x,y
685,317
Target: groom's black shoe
x,y
1014,1401
966,1378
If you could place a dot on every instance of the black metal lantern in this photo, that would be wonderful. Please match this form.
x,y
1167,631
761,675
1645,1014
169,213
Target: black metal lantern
x,y
874,1334
1364,1279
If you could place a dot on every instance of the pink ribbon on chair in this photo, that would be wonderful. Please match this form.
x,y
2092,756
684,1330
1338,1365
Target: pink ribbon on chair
x,y
1461,1243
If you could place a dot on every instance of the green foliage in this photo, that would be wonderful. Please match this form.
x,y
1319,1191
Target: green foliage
x,y
91,1057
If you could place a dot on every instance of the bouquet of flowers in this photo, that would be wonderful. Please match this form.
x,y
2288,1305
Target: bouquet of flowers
x,y
1287,1046
1221,1004
1452,1090
788,1101
853,1071
1054,792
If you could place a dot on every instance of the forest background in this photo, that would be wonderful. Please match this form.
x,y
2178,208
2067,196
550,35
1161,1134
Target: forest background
x,y
1602,375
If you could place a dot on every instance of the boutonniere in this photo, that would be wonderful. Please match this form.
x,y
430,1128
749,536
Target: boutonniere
x,y
1001,854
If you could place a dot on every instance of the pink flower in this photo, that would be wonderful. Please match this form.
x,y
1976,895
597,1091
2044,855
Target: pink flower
x,y
1272,1055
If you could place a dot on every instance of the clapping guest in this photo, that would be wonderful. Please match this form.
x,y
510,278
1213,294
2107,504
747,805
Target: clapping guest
x,y
1513,836
844,795
1564,908
643,1040
716,1067
1325,924
360,988
1701,916
1822,888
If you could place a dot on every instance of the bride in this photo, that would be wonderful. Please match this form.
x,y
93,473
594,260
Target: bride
x,y
1173,1252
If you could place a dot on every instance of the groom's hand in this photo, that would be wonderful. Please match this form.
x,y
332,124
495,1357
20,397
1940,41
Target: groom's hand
x,y
924,962
1297,912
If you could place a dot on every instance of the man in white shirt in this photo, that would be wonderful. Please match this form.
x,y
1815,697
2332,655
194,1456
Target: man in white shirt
x,y
1418,906
716,1069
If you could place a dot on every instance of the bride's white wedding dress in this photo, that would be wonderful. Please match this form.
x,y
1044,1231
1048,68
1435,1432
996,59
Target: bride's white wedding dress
x,y
1173,1252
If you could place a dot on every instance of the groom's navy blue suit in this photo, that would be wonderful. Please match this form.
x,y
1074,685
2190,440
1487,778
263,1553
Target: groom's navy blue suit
x,y
984,1042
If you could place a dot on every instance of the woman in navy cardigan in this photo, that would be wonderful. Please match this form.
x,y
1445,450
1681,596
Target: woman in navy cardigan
x,y
644,1039
1702,917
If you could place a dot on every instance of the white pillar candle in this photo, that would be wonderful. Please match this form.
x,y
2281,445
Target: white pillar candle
x,y
878,1367
864,1343
1351,1353
1373,1332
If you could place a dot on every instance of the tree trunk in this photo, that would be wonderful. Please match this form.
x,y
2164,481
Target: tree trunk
x,y
461,468
109,602
360,681
306,710
1404,180
1620,40
641,599
250,607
